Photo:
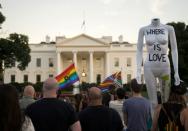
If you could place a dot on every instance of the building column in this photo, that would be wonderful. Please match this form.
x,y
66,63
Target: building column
x,y
75,58
58,62
107,63
91,66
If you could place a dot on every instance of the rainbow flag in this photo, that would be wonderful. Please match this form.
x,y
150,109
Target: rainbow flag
x,y
68,77
114,79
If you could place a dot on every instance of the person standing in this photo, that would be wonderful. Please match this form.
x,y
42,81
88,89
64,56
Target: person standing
x,y
136,110
172,114
51,114
97,117
28,97
118,104
11,117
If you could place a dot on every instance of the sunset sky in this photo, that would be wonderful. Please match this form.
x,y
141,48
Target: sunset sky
x,y
38,18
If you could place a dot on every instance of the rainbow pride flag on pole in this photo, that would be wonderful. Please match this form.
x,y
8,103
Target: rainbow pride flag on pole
x,y
114,79
68,77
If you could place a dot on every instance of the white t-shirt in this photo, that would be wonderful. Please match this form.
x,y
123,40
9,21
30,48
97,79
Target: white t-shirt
x,y
118,106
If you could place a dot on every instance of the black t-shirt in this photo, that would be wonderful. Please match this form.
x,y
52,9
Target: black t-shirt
x,y
51,114
100,118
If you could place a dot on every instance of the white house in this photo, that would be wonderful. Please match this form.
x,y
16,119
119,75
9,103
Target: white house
x,y
96,57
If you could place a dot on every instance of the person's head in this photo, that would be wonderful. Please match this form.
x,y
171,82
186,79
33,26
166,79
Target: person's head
x,y
120,92
106,97
78,97
78,102
10,113
29,91
135,87
50,87
177,94
95,96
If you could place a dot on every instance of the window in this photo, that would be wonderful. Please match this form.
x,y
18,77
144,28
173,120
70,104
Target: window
x,y
116,62
98,62
38,62
51,75
69,61
83,61
12,78
128,62
51,63
98,78
25,78
128,78
38,78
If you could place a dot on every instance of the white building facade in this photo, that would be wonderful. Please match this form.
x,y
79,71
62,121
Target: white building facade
x,y
96,57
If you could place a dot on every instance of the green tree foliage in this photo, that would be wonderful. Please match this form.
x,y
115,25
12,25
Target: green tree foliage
x,y
2,17
38,86
14,49
181,30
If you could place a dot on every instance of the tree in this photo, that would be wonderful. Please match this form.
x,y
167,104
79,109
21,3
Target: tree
x,y
2,17
14,49
181,30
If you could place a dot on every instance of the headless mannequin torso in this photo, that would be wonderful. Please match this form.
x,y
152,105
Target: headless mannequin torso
x,y
157,63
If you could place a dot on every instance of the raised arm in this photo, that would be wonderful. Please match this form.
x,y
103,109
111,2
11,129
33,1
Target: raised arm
x,y
139,54
174,53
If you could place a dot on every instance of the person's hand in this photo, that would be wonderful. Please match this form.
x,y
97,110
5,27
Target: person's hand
x,y
177,79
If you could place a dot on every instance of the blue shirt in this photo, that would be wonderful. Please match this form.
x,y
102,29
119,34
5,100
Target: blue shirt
x,y
138,110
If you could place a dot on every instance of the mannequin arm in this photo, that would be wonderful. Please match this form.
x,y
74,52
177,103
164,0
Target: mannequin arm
x,y
174,53
139,55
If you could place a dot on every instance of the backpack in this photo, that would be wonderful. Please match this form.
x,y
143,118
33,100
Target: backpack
x,y
171,125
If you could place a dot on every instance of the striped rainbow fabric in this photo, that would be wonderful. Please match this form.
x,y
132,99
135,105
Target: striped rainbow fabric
x,y
114,79
68,77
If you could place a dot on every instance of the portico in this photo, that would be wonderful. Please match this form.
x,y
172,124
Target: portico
x,y
90,60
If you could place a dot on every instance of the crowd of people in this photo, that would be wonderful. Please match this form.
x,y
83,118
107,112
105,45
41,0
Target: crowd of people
x,y
94,111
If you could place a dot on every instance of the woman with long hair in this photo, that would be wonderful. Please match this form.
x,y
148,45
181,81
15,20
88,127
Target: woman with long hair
x,y
170,115
11,117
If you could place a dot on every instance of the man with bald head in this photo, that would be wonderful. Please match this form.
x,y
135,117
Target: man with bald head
x,y
51,114
28,97
97,117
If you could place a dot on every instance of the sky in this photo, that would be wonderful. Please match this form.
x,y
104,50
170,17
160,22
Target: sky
x,y
38,18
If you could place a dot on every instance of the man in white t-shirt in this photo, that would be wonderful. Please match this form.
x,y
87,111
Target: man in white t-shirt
x,y
118,104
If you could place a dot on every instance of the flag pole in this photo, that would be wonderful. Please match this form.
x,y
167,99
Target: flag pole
x,y
83,26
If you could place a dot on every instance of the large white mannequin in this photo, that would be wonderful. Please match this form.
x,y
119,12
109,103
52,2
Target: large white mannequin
x,y
157,65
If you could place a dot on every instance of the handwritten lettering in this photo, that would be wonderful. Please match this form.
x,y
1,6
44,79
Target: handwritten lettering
x,y
157,47
155,31
157,57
